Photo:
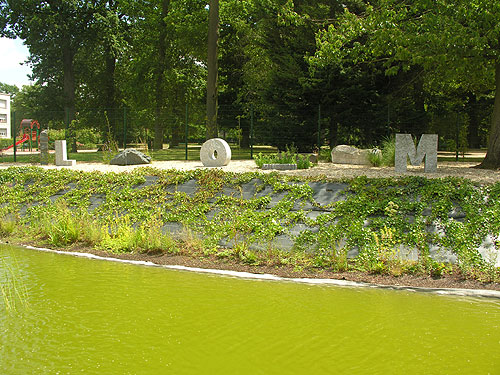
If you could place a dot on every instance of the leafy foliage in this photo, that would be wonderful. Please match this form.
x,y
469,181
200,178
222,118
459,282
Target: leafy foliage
x,y
380,219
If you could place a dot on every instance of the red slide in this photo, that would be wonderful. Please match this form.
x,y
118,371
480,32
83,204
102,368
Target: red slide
x,y
25,138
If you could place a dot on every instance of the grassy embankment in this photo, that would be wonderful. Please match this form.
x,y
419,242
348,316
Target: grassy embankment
x,y
127,213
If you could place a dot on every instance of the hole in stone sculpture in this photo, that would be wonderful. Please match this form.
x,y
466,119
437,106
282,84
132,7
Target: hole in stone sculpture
x,y
214,155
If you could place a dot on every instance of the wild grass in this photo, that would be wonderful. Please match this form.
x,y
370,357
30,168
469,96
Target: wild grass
x,y
8,225
14,291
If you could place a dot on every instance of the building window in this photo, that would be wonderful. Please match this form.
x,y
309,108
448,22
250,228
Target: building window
x,y
3,132
3,103
3,118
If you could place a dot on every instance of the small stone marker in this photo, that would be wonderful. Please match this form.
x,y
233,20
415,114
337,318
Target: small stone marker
x,y
280,167
61,155
215,153
44,148
427,147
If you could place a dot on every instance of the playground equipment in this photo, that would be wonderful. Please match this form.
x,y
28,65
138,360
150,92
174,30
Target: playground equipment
x,y
22,140
27,134
26,129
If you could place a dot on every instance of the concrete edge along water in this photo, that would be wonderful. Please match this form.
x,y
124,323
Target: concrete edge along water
x,y
269,277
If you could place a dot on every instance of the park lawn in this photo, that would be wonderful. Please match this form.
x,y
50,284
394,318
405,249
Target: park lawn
x,y
176,153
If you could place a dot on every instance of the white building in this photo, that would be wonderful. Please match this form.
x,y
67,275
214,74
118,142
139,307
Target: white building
x,y
5,116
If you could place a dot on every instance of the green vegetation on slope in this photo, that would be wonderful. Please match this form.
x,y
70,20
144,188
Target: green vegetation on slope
x,y
130,212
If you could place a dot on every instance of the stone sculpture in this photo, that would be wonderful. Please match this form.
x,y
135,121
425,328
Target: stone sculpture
x,y
130,156
215,153
344,154
427,147
61,156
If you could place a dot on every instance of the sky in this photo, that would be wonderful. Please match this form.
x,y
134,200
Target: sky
x,y
13,53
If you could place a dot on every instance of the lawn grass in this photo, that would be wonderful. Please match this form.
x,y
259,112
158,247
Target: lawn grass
x,y
179,153
176,153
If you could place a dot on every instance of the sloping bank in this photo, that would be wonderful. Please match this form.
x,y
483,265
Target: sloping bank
x,y
409,225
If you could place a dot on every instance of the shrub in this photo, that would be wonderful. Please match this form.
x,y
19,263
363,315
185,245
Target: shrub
x,y
375,158
287,157
388,151
5,142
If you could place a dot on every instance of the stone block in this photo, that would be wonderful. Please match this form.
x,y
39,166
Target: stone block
x,y
280,167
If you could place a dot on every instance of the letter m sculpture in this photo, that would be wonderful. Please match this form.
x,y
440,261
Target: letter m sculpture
x,y
427,147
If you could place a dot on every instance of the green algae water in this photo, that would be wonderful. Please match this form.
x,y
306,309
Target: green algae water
x,y
87,316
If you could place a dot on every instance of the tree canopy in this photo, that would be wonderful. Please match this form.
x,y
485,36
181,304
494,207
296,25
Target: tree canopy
x,y
454,42
335,71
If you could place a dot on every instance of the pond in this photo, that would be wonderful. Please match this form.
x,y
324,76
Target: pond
x,y
66,315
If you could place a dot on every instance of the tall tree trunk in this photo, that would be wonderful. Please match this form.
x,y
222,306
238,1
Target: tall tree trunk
x,y
212,66
245,137
160,70
473,129
110,89
420,126
69,84
492,159
333,132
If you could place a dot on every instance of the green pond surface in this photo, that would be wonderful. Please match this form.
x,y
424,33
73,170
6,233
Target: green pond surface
x,y
70,315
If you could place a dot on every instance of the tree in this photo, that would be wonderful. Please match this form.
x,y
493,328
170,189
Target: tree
x,y
53,30
9,89
162,69
455,42
212,68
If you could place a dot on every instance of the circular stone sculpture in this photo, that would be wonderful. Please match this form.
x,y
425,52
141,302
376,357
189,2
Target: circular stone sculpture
x,y
215,153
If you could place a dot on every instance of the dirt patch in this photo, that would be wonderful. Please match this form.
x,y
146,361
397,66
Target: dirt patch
x,y
328,170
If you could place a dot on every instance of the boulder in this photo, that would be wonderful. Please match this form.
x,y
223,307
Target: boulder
x,y
344,154
130,156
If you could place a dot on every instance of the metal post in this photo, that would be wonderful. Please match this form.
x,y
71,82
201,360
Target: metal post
x,y
124,127
14,134
319,127
187,130
66,129
31,137
251,131
457,137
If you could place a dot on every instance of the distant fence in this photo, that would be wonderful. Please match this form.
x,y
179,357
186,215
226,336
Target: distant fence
x,y
245,127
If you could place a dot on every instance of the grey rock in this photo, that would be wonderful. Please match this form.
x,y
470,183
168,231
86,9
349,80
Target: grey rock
x,y
329,192
130,156
150,180
189,187
250,188
489,250
442,255
344,154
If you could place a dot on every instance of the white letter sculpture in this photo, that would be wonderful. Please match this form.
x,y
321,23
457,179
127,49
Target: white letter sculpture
x,y
61,156
215,153
427,147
